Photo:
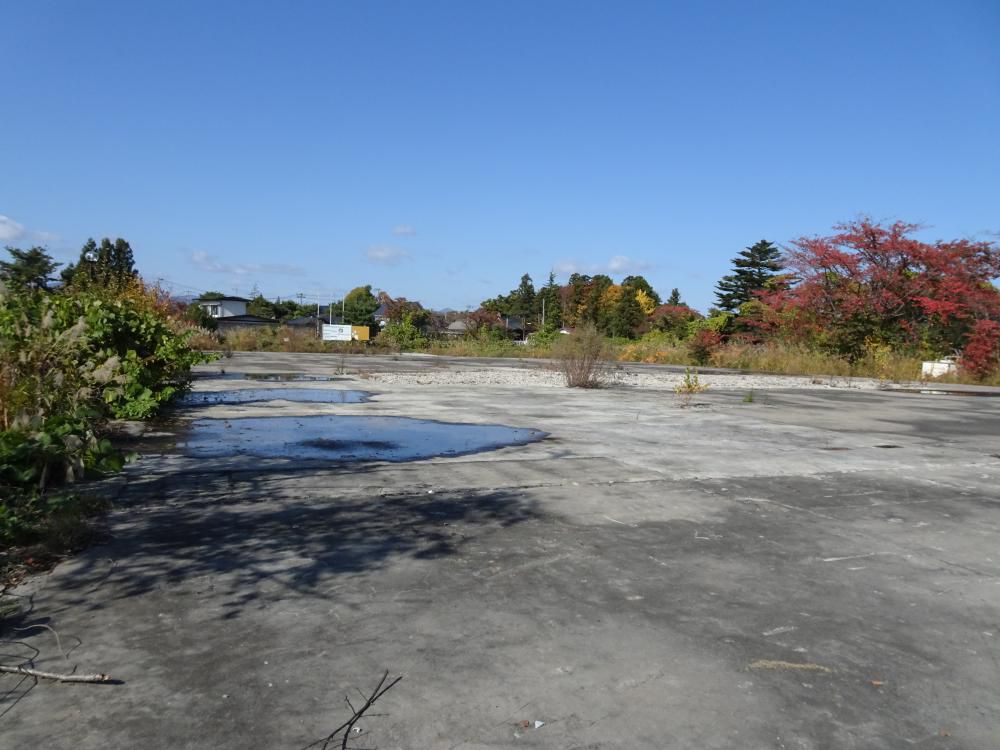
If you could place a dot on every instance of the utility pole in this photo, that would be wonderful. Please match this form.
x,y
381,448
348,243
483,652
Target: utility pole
x,y
300,296
543,313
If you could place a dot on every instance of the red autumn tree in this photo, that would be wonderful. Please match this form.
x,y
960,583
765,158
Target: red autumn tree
x,y
981,356
875,283
673,319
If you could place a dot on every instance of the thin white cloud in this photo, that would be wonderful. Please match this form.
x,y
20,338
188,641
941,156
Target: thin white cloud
x,y
210,264
10,230
385,255
566,267
624,264
404,230
619,264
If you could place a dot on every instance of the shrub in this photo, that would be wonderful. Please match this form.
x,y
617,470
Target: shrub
x,y
67,361
703,344
146,356
402,335
583,357
981,356
655,348
689,387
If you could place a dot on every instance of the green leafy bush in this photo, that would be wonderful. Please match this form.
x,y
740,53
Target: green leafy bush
x,y
402,335
67,362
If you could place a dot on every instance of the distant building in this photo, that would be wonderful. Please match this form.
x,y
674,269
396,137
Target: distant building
x,y
223,307
307,322
227,323
515,326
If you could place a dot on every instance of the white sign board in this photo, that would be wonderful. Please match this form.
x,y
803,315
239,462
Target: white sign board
x,y
336,333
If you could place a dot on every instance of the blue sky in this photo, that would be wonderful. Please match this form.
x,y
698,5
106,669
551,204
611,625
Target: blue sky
x,y
440,150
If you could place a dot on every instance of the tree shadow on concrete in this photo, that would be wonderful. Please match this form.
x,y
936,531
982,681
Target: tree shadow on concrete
x,y
265,538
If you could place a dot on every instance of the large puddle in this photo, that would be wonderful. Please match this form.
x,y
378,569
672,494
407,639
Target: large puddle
x,y
348,438
256,395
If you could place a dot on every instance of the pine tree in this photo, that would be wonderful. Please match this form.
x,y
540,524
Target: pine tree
x,y
521,301
28,269
753,268
675,298
626,315
547,302
108,265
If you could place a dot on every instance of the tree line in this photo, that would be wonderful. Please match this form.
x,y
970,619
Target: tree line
x,y
866,288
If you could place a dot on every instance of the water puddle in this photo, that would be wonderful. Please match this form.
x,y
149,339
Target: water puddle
x,y
348,438
257,395
286,377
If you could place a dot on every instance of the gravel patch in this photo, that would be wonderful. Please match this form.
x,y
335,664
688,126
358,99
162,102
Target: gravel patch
x,y
522,377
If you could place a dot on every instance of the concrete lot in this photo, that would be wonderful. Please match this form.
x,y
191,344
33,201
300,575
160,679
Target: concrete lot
x,y
815,569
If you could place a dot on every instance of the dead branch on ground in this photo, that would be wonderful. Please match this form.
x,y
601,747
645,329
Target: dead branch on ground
x,y
348,726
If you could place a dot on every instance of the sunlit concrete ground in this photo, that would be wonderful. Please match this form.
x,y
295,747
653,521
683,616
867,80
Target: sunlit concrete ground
x,y
809,569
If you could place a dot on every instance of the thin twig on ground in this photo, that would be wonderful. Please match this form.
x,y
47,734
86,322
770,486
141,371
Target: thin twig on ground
x,y
347,727
56,675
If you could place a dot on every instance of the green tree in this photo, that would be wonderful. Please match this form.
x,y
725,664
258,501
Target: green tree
x,y
639,283
753,268
109,265
28,269
262,307
599,284
547,302
675,298
626,315
360,306
522,299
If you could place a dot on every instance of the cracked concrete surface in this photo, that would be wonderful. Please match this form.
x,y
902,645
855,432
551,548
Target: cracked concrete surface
x,y
621,581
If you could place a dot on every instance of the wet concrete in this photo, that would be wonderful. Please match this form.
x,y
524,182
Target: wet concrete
x,y
982,393
259,395
341,438
285,377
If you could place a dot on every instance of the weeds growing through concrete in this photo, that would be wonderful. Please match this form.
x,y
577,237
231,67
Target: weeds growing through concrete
x,y
689,387
583,358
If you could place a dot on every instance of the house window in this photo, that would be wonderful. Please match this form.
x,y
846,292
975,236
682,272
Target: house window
x,y
215,310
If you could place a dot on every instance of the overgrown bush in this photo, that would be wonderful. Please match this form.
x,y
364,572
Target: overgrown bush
x,y
583,357
147,359
69,360
402,335
703,344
